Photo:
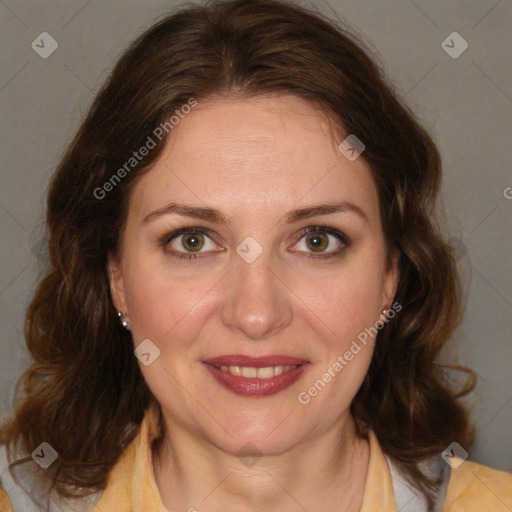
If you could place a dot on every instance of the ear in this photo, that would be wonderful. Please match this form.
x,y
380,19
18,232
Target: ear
x,y
391,278
116,283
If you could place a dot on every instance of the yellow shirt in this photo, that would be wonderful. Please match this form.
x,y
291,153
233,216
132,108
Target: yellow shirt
x,y
132,487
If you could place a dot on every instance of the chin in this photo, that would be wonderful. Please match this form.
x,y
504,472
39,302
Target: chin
x,y
272,435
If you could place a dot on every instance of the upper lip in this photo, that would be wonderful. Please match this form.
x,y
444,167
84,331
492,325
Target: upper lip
x,y
254,362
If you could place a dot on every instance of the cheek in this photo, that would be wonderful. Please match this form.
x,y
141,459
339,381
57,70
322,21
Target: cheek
x,y
348,307
164,307
346,302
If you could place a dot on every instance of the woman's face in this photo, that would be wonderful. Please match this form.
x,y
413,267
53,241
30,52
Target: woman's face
x,y
250,173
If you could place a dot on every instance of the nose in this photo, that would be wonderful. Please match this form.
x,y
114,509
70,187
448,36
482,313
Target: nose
x,y
256,300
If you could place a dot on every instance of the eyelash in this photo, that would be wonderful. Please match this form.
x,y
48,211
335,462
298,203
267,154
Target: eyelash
x,y
167,238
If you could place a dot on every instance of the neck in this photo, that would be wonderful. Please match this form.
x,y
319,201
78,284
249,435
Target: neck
x,y
328,471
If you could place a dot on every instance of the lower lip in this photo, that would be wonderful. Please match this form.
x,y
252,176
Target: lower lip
x,y
253,386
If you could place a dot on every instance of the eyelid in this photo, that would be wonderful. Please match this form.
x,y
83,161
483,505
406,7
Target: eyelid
x,y
181,231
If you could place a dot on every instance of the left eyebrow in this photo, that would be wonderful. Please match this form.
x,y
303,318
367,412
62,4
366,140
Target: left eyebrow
x,y
217,217
323,209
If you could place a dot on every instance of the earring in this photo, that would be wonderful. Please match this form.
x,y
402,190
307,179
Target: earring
x,y
123,318
385,311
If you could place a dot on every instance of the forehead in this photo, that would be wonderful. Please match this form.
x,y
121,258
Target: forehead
x,y
271,152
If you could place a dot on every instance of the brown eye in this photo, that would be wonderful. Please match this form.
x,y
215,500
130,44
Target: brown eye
x,y
187,243
318,242
319,239
192,241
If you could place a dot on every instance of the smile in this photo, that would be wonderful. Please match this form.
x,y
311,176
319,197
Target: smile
x,y
251,381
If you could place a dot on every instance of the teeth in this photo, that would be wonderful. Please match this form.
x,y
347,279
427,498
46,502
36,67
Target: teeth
x,y
265,373
261,373
249,372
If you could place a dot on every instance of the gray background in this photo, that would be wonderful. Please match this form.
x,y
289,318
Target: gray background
x,y
466,103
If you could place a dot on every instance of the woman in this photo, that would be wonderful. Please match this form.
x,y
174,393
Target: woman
x,y
249,288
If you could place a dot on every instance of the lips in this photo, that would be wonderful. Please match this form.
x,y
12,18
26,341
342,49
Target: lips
x,y
291,369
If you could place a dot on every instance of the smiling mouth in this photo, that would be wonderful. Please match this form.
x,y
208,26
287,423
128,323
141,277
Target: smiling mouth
x,y
252,381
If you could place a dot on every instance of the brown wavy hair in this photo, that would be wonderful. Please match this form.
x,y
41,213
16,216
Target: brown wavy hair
x,y
84,393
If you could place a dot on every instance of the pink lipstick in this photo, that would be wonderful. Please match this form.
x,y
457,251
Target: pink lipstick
x,y
255,376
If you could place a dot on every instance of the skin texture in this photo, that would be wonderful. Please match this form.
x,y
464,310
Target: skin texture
x,y
255,160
